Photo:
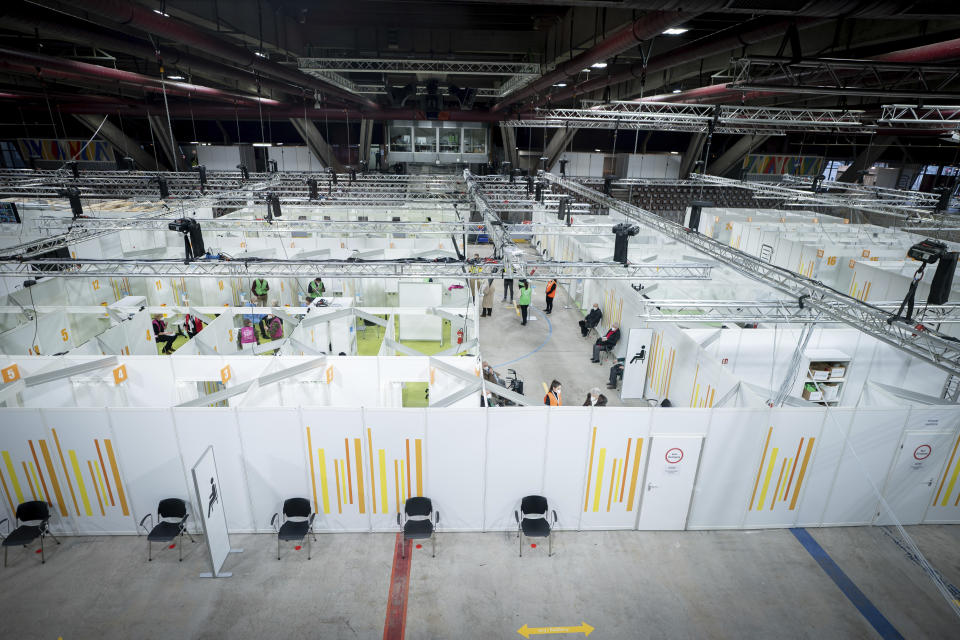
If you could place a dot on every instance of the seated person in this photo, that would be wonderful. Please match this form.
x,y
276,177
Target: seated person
x,y
593,319
606,342
271,326
163,336
595,399
192,325
246,336
616,371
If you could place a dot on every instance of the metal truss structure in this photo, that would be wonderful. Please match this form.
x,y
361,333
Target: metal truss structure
x,y
896,197
929,117
858,200
331,69
834,76
771,311
411,268
698,118
916,339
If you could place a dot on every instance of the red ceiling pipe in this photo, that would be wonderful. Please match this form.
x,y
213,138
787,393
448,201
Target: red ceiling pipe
x,y
945,50
651,24
38,64
702,48
30,19
126,12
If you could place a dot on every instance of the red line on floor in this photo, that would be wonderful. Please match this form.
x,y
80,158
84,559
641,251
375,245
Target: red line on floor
x,y
396,622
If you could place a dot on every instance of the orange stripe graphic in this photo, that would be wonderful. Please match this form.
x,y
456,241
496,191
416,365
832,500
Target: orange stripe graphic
x,y
116,477
760,469
373,483
673,354
396,482
633,475
794,467
947,470
626,464
313,478
613,475
6,491
359,465
65,472
409,485
419,467
336,475
43,481
803,472
593,441
103,467
26,472
53,478
346,446
96,489
776,492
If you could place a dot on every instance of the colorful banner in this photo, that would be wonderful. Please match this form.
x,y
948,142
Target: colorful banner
x,y
48,149
775,165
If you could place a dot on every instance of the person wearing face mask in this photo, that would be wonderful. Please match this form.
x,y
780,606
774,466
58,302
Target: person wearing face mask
x,y
592,320
595,398
553,395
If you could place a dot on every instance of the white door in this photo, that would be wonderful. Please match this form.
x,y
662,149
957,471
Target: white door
x,y
913,477
671,470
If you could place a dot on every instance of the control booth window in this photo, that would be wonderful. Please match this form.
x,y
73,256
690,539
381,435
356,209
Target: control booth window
x,y
400,139
450,140
426,140
474,141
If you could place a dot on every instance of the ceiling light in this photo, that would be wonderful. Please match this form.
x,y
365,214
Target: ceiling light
x,y
262,144
675,31
586,70
560,84
677,91
175,78
674,153
161,13
598,151
260,53
599,65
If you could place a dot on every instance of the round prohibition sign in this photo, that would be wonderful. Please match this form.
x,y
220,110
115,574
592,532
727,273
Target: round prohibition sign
x,y
673,456
922,452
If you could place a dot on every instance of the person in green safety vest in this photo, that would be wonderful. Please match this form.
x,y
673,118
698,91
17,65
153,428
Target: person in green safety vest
x,y
524,300
259,289
315,290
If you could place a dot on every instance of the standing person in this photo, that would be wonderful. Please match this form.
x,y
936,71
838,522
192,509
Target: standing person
x,y
487,301
606,343
246,335
593,319
523,301
193,325
271,326
553,395
551,292
595,398
315,290
507,284
259,289
161,334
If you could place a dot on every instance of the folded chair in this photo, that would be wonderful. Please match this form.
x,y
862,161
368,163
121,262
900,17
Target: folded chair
x,y
532,521
35,518
419,522
297,523
171,523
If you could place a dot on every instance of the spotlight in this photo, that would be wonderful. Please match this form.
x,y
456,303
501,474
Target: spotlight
x,y
927,251
73,195
273,207
563,167
192,237
675,31
244,172
599,65
202,171
164,189
127,164
74,168
312,185
623,231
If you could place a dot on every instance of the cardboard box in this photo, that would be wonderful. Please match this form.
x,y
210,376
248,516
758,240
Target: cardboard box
x,y
838,370
810,393
820,371
830,392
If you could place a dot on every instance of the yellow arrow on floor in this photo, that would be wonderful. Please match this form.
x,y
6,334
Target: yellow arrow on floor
x,y
526,631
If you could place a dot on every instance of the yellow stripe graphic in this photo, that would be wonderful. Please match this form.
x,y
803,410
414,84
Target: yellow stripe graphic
x,y
633,474
13,477
945,473
419,467
403,486
383,482
756,482
396,483
324,489
616,485
33,470
81,487
766,479
359,466
586,493
373,481
596,491
613,475
953,481
313,480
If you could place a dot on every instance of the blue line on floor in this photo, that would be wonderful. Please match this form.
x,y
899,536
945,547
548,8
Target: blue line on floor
x,y
846,585
549,334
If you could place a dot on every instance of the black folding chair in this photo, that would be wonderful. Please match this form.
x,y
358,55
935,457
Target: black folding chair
x,y
35,518
297,523
419,523
532,521
171,523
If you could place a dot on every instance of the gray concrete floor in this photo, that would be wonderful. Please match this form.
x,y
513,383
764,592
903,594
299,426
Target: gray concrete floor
x,y
730,584
549,347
